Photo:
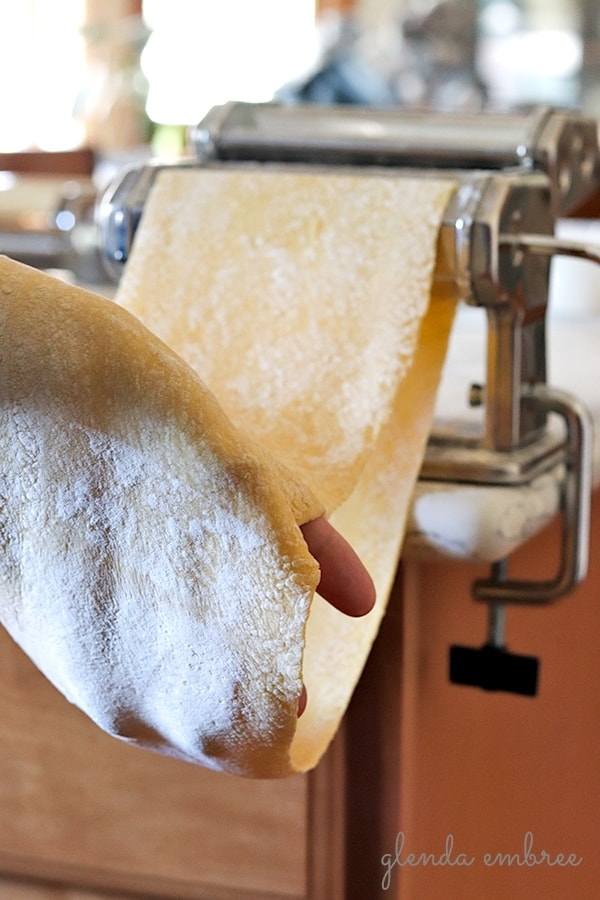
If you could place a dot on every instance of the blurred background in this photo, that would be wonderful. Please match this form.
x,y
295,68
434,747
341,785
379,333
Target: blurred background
x,y
89,86
116,75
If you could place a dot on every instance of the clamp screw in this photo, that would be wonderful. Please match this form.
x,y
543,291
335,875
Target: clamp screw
x,y
476,395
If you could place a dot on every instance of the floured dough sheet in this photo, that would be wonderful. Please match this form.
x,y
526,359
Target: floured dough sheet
x,y
303,300
297,297
373,520
151,563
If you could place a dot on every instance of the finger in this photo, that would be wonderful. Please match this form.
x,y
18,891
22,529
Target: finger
x,y
302,700
345,583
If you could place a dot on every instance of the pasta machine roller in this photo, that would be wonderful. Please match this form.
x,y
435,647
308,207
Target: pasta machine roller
x,y
516,174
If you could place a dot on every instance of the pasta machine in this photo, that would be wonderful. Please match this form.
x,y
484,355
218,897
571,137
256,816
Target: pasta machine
x,y
516,173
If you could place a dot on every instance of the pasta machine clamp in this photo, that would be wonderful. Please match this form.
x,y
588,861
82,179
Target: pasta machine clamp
x,y
508,272
492,667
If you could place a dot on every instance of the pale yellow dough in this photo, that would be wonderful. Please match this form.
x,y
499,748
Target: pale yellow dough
x,y
304,300
150,559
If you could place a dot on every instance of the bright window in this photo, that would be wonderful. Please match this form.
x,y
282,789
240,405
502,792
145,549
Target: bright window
x,y
200,54
42,66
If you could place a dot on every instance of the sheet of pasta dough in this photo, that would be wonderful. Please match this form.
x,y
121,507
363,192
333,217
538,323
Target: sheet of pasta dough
x,y
303,300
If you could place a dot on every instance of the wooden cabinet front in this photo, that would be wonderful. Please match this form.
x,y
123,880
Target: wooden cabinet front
x,y
87,811
417,757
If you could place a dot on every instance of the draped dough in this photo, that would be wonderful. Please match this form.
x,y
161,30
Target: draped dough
x,y
151,563
304,299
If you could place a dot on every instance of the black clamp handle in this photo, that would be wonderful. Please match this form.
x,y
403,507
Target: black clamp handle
x,y
494,669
